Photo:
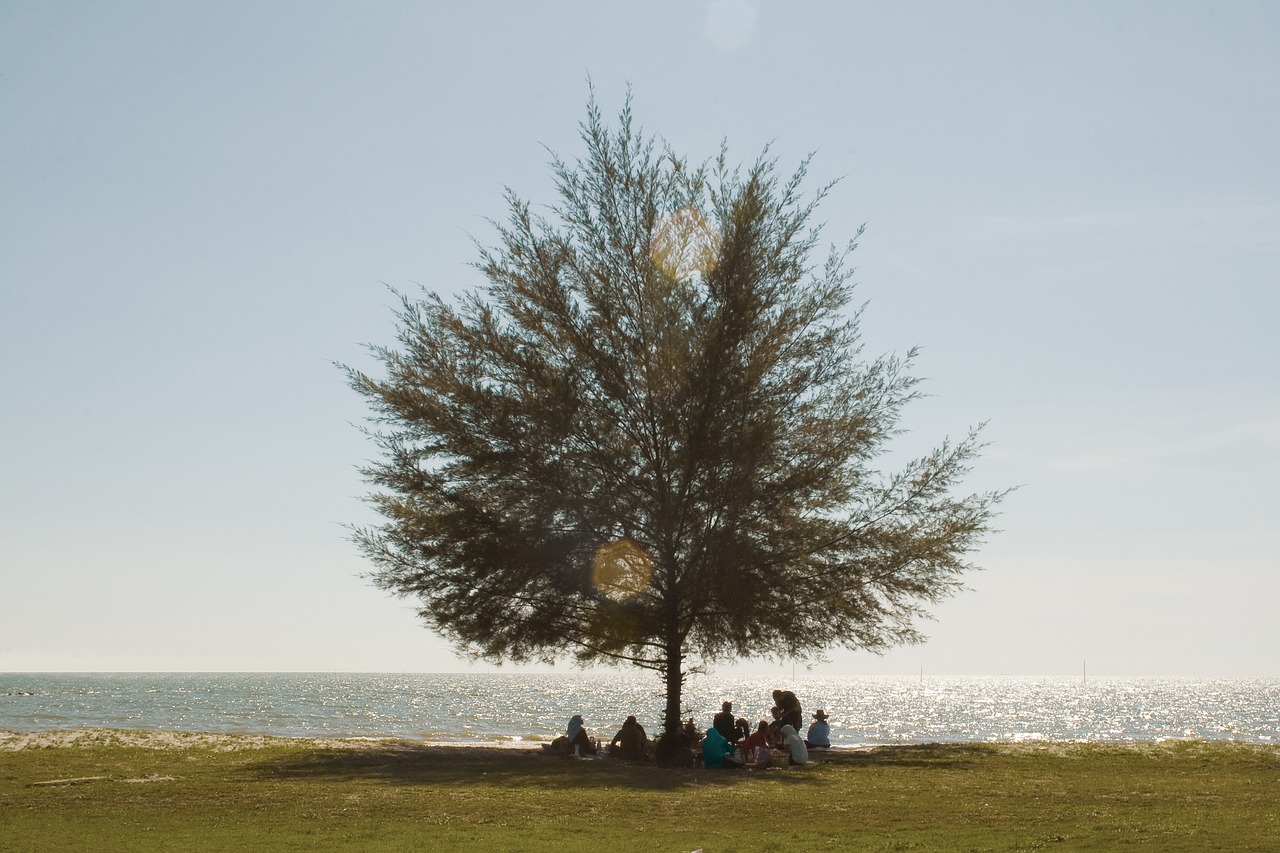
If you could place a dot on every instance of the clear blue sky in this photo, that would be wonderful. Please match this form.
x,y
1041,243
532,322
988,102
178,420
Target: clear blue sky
x,y
1073,207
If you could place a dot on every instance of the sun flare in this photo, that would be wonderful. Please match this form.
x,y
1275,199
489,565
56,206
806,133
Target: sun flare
x,y
685,244
621,569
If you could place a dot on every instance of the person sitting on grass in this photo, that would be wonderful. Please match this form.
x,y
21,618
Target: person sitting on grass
x,y
775,725
674,749
715,749
797,752
630,742
819,735
579,740
725,724
755,747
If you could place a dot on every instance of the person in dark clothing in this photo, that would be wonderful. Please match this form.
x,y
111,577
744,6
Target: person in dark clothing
x,y
725,723
775,724
675,749
786,712
789,705
630,742
691,733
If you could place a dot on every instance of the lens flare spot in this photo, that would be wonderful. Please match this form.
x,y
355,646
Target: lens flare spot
x,y
621,569
685,244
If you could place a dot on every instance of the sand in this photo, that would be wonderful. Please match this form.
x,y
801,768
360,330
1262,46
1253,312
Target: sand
x,y
160,740
63,738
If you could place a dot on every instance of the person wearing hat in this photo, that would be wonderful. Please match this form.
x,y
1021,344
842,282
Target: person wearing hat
x,y
819,734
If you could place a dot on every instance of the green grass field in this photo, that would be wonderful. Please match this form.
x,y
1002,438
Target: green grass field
x,y
304,795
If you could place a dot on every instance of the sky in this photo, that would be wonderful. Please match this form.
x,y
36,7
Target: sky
x,y
1073,208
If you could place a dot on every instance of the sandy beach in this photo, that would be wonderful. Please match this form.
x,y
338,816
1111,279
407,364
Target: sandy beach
x,y
54,738
175,740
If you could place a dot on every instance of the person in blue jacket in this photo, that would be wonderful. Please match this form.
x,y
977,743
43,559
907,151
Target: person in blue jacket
x,y
715,749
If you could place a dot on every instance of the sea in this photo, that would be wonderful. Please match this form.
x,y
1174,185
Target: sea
x,y
521,709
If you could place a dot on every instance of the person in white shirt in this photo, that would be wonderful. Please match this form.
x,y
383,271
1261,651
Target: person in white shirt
x,y
795,746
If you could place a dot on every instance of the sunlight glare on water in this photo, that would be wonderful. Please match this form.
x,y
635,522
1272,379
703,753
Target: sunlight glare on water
x,y
514,709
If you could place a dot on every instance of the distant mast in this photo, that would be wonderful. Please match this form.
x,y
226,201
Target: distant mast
x,y
1084,673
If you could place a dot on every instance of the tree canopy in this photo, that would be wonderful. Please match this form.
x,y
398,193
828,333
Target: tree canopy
x,y
650,436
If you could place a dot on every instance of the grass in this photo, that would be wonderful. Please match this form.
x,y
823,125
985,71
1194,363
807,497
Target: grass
x,y
303,795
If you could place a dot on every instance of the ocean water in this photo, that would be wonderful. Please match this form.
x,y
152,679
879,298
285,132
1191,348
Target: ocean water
x,y
514,709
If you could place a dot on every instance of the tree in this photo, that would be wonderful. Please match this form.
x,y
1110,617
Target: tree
x,y
649,437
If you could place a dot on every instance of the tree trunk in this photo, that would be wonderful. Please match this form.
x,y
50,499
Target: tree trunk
x,y
673,749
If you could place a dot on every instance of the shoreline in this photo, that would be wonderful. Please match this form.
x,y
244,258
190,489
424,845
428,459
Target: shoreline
x,y
167,740
160,739
11,741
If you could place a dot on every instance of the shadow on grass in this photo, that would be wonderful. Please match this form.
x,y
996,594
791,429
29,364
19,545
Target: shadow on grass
x,y
415,764
412,764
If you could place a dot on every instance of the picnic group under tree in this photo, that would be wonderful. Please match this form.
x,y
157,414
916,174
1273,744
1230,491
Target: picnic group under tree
x,y
729,742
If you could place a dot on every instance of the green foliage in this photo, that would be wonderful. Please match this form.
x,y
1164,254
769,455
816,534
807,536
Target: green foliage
x,y
661,362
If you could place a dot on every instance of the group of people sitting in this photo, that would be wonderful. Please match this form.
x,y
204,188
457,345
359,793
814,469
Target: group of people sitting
x,y
630,742
728,743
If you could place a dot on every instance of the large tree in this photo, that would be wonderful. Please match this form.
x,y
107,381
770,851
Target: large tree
x,y
650,436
